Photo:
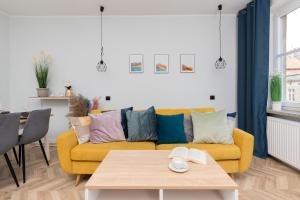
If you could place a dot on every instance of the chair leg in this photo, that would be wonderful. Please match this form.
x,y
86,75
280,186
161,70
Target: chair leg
x,y
23,162
15,153
20,155
11,169
43,150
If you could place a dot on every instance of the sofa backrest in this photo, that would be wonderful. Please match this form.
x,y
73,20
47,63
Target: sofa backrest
x,y
182,111
172,111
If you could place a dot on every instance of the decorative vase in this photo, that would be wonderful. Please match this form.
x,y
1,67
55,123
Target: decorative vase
x,y
42,92
69,93
276,105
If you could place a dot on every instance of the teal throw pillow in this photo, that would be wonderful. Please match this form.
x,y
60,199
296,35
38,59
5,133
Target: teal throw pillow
x,y
170,129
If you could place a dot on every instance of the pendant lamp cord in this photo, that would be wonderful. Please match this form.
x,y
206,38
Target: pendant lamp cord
x,y
220,32
102,52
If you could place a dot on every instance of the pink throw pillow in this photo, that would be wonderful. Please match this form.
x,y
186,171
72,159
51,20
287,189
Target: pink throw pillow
x,y
106,127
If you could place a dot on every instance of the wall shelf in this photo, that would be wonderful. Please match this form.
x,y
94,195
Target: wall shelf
x,y
51,98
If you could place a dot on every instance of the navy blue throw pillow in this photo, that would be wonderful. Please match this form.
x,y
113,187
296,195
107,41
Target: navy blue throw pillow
x,y
170,129
124,120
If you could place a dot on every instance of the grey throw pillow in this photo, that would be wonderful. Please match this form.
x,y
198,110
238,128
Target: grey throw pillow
x,y
142,125
188,127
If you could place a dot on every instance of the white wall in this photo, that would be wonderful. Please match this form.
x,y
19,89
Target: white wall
x,y
74,44
4,61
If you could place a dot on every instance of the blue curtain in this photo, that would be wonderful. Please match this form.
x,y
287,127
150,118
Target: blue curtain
x,y
253,71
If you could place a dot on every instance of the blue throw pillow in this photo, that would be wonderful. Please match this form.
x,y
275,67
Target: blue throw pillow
x,y
124,120
170,129
142,125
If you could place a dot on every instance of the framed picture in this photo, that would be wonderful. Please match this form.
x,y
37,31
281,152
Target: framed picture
x,y
136,63
187,63
161,63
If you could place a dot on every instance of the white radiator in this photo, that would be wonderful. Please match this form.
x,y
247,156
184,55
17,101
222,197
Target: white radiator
x,y
284,140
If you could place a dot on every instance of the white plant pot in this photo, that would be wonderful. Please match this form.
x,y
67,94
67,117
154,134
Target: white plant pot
x,y
276,106
42,92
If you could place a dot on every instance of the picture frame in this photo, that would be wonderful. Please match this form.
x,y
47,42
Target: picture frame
x,y
187,63
136,63
161,63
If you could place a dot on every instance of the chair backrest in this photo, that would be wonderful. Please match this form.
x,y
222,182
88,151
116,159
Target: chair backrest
x,y
36,127
9,129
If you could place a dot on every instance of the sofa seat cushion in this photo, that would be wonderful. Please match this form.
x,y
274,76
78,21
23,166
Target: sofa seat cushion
x,y
217,151
97,152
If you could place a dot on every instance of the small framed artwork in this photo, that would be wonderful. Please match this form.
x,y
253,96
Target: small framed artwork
x,y
136,63
161,63
187,63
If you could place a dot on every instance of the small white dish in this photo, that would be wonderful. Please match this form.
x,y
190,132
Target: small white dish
x,y
172,168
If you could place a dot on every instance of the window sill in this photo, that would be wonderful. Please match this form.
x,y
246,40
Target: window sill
x,y
285,114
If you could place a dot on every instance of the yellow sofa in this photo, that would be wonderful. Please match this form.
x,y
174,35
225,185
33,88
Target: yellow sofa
x,y
84,158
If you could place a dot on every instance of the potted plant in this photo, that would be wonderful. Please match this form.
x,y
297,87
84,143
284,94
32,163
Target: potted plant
x,y
276,92
41,64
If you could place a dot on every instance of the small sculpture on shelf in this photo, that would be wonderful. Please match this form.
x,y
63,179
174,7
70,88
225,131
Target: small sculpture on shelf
x,y
69,92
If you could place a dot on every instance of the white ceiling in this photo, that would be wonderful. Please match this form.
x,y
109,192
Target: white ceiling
x,y
118,7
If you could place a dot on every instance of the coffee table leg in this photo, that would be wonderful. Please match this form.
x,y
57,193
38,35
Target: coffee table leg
x,y
161,194
230,194
91,194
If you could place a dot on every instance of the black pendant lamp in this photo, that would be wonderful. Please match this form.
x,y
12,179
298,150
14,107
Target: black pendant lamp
x,y
101,65
220,63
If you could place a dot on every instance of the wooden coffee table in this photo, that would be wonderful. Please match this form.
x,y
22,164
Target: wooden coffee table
x,y
144,175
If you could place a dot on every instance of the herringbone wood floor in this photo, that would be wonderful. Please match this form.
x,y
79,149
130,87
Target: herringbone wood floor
x,y
267,179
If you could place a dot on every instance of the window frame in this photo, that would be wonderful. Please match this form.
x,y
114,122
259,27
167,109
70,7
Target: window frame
x,y
279,47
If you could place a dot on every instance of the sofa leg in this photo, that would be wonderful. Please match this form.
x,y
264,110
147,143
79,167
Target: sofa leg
x,y
78,177
232,175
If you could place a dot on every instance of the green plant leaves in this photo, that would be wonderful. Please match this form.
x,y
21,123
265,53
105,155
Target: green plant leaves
x,y
276,88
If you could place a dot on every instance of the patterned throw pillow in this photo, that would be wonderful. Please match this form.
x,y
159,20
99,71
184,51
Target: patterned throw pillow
x,y
107,127
81,127
142,125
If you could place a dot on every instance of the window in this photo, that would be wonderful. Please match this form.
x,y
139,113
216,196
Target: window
x,y
288,59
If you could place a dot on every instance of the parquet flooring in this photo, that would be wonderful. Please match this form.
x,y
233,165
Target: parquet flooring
x,y
267,179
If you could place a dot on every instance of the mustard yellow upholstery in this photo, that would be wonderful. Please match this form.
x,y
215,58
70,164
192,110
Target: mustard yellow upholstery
x,y
84,167
245,142
182,111
229,166
85,158
217,151
96,111
65,143
97,152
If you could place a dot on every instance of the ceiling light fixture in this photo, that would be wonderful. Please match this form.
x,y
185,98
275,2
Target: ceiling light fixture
x,y
220,63
101,65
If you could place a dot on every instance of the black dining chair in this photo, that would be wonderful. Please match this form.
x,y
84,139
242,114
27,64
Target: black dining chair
x,y
35,129
9,129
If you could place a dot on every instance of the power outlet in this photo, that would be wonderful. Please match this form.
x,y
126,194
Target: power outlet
x,y
212,97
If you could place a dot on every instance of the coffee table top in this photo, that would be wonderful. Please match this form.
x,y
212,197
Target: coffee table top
x,y
148,169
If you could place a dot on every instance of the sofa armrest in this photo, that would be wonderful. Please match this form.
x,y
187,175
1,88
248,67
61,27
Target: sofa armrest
x,y
65,143
245,142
